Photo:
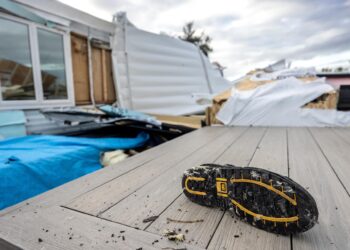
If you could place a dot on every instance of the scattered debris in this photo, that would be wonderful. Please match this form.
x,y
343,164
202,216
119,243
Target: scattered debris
x,y
184,221
112,235
122,231
112,157
140,248
149,219
123,238
155,242
173,236
236,236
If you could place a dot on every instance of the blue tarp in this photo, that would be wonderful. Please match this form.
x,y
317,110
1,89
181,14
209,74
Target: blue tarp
x,y
34,164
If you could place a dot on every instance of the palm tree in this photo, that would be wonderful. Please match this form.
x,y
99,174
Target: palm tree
x,y
202,40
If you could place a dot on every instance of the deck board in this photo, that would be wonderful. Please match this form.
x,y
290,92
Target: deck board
x,y
69,191
332,143
310,168
60,228
270,153
107,195
119,197
159,193
200,234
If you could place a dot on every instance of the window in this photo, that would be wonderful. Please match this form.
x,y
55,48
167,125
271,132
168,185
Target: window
x,y
35,68
53,74
16,72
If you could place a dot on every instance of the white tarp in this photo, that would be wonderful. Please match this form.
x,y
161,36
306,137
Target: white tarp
x,y
280,104
160,74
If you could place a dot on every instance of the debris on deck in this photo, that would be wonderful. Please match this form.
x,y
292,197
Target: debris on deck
x,y
174,236
184,221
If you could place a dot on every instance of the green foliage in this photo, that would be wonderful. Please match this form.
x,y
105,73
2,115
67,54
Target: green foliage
x,y
202,41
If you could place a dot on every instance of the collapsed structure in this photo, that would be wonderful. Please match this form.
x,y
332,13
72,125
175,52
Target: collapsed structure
x,y
160,74
279,96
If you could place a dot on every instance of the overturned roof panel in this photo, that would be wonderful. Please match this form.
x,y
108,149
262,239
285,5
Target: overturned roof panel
x,y
158,73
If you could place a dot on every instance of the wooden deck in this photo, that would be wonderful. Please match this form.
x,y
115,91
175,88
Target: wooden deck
x,y
106,209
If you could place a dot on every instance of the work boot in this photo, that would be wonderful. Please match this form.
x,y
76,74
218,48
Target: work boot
x,y
264,199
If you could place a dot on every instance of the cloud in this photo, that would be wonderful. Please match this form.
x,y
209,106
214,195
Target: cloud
x,y
246,34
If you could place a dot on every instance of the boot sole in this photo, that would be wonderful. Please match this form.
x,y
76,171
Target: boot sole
x,y
262,198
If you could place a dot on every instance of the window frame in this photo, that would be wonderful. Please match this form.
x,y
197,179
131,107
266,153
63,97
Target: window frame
x,y
39,101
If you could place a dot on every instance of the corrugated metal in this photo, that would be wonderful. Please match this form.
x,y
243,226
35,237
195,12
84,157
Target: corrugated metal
x,y
160,74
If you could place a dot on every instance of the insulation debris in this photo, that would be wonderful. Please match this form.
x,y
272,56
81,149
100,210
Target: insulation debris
x,y
113,157
173,236
278,97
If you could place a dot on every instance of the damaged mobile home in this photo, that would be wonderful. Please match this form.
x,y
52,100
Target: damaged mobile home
x,y
53,55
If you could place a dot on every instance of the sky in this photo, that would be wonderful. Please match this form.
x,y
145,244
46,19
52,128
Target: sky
x,y
246,34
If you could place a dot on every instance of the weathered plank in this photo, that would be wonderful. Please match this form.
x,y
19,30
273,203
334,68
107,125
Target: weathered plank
x,y
158,194
317,165
334,144
105,196
270,154
60,228
197,233
310,168
73,189
200,233
241,152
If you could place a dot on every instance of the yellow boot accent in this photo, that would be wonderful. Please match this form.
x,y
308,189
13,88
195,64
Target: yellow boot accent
x,y
269,187
263,217
193,178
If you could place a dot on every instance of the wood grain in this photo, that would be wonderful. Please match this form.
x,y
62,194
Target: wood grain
x,y
105,196
310,168
334,144
60,228
317,158
200,234
159,193
271,154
